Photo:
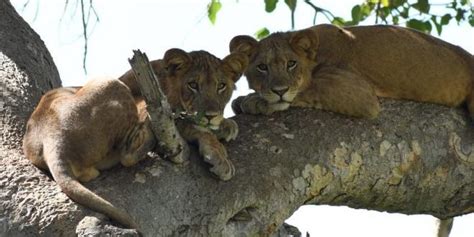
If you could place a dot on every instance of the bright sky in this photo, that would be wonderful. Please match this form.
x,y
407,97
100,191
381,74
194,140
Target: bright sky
x,y
155,26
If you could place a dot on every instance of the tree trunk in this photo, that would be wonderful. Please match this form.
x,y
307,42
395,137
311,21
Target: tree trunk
x,y
414,159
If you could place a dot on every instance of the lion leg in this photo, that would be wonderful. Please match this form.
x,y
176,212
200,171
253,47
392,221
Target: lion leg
x,y
251,104
85,174
228,130
341,91
211,150
137,144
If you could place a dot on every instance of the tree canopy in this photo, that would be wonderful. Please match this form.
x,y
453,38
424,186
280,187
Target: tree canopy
x,y
423,15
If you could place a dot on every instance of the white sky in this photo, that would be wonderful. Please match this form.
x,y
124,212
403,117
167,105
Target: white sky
x,y
157,25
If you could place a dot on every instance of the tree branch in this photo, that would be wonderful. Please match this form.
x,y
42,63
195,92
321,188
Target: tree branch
x,y
171,144
414,159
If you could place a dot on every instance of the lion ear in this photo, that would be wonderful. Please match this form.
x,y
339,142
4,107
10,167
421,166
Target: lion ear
x,y
243,44
305,42
176,60
235,64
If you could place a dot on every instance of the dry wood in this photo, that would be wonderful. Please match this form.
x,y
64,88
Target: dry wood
x,y
170,143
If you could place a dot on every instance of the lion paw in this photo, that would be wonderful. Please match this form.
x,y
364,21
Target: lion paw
x,y
251,104
236,105
216,155
228,130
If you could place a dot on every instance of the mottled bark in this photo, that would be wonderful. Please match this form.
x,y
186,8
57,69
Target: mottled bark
x,y
171,145
414,158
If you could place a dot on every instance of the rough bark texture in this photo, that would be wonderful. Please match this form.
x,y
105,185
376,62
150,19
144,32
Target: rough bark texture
x,y
171,145
414,158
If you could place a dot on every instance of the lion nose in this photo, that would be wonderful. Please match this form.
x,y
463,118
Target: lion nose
x,y
280,90
210,115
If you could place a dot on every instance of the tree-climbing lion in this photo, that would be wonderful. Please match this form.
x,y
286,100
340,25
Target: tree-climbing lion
x,y
75,132
345,70
198,83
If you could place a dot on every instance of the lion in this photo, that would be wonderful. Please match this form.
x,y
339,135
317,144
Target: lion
x,y
201,85
345,70
75,132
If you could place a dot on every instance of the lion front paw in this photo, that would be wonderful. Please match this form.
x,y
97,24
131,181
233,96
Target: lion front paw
x,y
236,105
228,130
251,104
216,155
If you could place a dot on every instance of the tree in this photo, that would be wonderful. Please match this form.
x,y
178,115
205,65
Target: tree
x,y
421,14
413,159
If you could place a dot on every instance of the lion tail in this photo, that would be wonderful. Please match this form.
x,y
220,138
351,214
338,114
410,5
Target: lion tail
x,y
62,174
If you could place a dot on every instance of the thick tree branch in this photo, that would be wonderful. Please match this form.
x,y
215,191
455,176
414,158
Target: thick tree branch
x,y
171,144
414,159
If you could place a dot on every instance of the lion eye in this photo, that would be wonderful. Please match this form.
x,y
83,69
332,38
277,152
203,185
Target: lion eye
x,y
291,64
193,86
221,87
262,67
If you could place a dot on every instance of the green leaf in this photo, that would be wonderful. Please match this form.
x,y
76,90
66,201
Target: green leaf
x,y
385,12
339,21
471,20
356,14
262,33
366,10
359,13
460,14
464,2
291,4
405,12
428,27
439,26
270,5
445,19
397,3
395,20
417,24
422,6
385,3
212,9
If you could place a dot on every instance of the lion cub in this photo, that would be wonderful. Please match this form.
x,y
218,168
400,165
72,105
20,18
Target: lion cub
x,y
202,84
345,69
75,132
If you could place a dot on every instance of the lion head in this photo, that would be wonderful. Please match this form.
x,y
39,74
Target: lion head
x,y
280,65
200,83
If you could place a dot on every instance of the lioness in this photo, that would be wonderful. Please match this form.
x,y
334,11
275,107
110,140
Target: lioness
x,y
75,132
345,69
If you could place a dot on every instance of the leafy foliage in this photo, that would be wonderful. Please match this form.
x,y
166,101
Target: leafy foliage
x,y
212,10
262,33
422,15
270,5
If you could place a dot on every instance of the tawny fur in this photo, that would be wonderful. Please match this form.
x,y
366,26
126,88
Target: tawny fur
x,y
199,82
345,69
75,132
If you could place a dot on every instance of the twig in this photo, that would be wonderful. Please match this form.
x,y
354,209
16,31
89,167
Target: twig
x,y
377,12
317,9
170,143
84,33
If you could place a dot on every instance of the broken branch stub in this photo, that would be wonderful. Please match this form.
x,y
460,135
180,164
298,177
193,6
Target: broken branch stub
x,y
170,143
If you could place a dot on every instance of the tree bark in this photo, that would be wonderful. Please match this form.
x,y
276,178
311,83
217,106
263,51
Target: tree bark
x,y
171,145
414,159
